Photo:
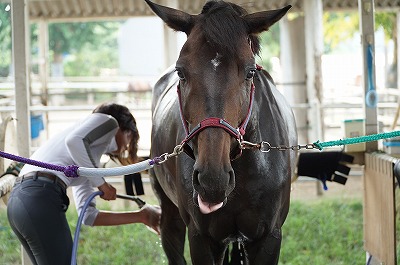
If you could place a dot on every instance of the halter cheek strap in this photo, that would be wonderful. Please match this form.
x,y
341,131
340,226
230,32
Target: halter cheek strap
x,y
214,122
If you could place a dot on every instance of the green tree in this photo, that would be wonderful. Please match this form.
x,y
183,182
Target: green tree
x,y
269,42
5,39
347,22
387,21
82,39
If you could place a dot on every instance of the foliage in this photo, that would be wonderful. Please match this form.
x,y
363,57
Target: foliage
x,y
70,37
269,41
92,44
90,59
347,22
387,21
87,47
5,39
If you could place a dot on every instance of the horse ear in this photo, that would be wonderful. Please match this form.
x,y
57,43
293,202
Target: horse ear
x,y
261,21
175,19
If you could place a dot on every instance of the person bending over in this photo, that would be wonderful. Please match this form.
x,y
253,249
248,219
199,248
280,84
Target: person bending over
x,y
38,202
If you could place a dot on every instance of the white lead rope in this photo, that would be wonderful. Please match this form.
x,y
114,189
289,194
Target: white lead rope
x,y
116,171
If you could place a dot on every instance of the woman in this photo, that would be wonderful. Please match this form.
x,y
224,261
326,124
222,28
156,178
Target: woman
x,y
38,201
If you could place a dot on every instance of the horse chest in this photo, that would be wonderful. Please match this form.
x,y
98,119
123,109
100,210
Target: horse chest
x,y
248,226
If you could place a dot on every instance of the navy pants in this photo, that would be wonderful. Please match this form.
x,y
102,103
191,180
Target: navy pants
x,y
36,212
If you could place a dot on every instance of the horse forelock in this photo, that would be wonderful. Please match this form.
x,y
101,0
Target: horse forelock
x,y
224,29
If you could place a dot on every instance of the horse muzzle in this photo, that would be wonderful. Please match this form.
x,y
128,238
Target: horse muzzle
x,y
211,191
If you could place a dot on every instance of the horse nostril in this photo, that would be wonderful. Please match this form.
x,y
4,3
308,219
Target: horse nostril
x,y
232,178
196,181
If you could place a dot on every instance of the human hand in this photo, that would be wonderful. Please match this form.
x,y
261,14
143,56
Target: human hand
x,y
152,218
109,192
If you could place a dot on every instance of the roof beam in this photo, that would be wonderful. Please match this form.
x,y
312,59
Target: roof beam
x,y
33,10
99,7
109,7
44,10
55,9
77,7
87,6
131,7
95,9
65,7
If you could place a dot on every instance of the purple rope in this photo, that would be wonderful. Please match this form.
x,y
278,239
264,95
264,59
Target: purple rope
x,y
70,171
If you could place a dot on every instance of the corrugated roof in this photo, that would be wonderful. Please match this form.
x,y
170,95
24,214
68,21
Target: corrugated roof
x,y
105,9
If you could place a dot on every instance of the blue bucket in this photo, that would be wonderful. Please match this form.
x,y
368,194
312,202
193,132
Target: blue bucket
x,y
36,125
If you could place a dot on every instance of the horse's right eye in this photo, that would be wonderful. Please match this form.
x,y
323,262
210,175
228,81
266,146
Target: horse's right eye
x,y
250,74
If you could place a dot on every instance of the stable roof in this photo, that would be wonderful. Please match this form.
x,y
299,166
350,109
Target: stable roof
x,y
102,9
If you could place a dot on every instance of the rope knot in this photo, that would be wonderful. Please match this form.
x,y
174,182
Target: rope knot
x,y
71,171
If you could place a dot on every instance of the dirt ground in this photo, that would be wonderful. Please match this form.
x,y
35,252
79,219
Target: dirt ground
x,y
309,189
304,189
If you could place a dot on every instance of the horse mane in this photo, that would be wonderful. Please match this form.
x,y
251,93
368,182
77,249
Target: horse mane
x,y
223,27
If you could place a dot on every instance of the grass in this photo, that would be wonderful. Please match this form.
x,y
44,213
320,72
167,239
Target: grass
x,y
323,232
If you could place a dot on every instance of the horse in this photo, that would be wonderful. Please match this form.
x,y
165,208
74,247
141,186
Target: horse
x,y
215,104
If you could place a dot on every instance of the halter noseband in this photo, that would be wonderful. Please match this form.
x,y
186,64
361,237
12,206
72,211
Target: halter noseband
x,y
214,122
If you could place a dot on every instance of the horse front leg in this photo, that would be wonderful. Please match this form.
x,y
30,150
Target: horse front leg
x,y
173,229
173,233
204,250
266,250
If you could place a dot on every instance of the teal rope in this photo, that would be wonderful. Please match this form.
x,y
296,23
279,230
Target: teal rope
x,y
356,140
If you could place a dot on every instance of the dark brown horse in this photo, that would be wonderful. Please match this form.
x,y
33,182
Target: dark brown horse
x,y
211,101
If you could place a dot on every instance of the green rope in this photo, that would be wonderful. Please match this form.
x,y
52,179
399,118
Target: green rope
x,y
356,140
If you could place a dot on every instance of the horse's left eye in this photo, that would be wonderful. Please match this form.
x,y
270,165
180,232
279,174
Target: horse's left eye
x,y
180,74
250,74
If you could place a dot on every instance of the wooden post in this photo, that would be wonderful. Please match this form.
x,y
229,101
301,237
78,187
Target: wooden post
x,y
379,209
20,44
372,234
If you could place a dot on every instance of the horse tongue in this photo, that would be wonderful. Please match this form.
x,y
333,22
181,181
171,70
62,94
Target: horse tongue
x,y
206,207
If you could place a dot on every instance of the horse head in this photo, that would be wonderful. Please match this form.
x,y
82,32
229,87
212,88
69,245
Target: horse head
x,y
216,67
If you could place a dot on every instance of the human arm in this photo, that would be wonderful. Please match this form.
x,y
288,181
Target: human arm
x,y
149,215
